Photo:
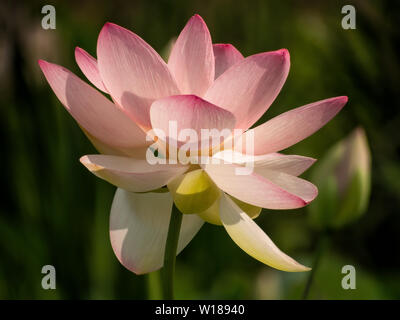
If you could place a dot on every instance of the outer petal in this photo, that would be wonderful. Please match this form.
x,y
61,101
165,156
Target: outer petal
x,y
131,174
134,74
291,164
226,55
256,189
139,226
297,186
250,86
293,126
251,239
189,112
192,59
211,215
94,112
88,66
101,147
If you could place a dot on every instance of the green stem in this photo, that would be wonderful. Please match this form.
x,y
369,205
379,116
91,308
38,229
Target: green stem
x,y
154,289
170,253
321,245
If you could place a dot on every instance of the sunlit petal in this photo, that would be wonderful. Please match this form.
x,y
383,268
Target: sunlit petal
x,y
192,59
139,226
134,74
226,55
131,174
94,112
248,88
293,126
251,239
88,66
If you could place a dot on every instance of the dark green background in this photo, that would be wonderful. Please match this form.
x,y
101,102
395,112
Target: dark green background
x,y
53,211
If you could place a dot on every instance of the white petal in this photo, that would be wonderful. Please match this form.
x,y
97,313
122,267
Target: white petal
x,y
135,175
294,185
251,239
290,164
139,227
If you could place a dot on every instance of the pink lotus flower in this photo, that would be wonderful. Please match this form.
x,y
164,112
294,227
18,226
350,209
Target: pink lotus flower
x,y
202,86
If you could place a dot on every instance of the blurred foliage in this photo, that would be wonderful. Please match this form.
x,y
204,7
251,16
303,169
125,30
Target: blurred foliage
x,y
54,212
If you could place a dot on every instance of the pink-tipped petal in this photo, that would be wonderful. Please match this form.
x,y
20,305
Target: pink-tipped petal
x,y
291,164
139,226
189,112
135,175
292,184
101,147
293,126
226,55
254,188
192,59
252,239
248,88
88,66
94,112
134,74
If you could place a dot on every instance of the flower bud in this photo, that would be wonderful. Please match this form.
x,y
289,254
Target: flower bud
x,y
343,178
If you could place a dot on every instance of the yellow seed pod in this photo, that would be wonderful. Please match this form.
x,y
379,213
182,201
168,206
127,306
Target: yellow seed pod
x,y
193,192
211,215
